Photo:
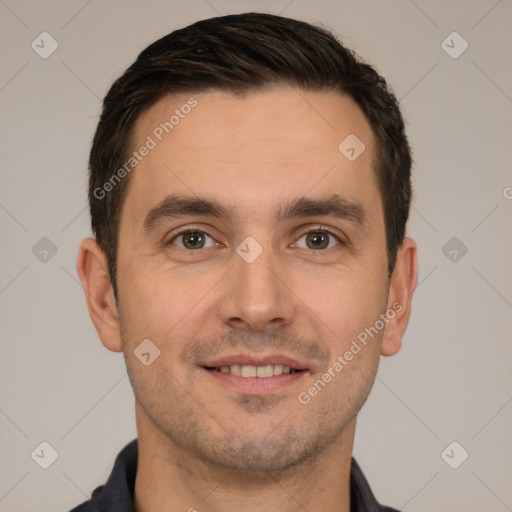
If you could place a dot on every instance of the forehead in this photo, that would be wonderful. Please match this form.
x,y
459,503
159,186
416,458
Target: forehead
x,y
295,117
252,149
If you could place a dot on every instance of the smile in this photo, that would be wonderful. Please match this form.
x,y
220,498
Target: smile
x,y
262,372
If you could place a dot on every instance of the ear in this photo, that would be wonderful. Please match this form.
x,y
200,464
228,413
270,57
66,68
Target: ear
x,y
99,294
401,289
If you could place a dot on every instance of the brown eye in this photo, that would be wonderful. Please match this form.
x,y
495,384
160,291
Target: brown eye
x,y
319,240
191,239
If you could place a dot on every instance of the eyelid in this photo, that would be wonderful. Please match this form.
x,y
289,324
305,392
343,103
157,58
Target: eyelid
x,y
184,231
325,229
307,230
321,227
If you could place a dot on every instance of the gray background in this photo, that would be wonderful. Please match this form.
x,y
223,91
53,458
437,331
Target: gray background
x,y
451,380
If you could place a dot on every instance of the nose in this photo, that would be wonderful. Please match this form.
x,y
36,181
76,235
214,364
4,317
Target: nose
x,y
256,295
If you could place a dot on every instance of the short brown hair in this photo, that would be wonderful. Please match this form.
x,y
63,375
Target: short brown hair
x,y
241,53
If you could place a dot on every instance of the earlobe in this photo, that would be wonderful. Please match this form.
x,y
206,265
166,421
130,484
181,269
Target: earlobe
x,y
401,289
92,270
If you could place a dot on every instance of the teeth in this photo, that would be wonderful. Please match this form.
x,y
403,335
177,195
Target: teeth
x,y
265,371
269,370
249,371
235,369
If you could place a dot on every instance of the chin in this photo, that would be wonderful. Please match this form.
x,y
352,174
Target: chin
x,y
263,455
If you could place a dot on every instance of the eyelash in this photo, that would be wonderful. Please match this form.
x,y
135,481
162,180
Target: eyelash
x,y
320,229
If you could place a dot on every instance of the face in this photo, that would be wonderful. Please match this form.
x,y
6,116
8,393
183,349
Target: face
x,y
265,277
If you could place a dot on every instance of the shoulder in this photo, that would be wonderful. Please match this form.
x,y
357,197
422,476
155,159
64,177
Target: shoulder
x,y
87,506
117,493
361,493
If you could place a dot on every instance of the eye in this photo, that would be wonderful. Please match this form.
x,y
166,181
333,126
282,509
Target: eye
x,y
319,239
191,239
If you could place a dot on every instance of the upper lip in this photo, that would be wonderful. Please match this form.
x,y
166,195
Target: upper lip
x,y
253,360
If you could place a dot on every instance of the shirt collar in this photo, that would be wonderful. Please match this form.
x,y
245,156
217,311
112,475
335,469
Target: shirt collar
x,y
117,494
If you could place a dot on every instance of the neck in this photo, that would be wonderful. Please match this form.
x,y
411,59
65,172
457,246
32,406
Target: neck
x,y
172,479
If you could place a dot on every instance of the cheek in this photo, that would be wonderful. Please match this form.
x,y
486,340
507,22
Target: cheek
x,y
160,305
349,312
348,302
150,296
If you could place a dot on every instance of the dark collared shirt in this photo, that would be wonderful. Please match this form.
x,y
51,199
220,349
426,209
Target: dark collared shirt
x,y
117,494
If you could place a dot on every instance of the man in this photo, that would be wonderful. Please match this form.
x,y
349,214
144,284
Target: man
x,y
249,192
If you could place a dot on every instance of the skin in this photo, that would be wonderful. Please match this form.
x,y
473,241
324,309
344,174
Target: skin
x,y
202,444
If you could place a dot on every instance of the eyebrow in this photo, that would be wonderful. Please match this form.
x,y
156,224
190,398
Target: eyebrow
x,y
178,206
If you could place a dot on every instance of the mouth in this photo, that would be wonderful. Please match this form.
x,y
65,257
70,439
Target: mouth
x,y
255,375
248,371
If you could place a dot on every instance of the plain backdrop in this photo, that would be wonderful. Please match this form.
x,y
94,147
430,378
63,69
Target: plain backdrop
x,y
450,383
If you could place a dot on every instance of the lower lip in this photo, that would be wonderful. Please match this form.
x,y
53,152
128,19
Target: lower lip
x,y
256,385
